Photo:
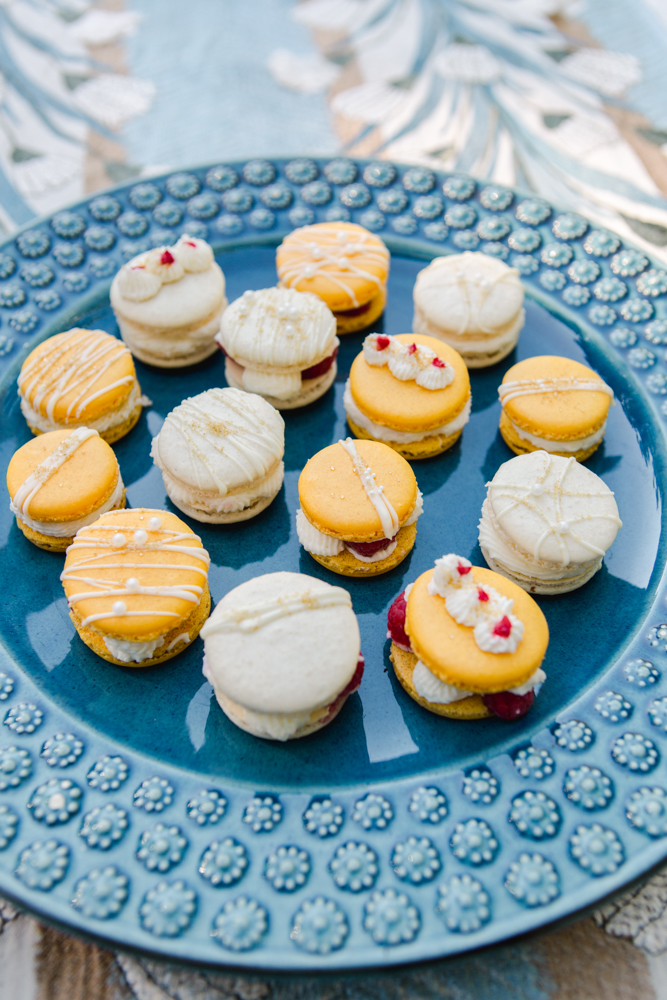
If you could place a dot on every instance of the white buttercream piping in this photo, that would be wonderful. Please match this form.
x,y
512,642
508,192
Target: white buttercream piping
x,y
315,541
382,433
67,529
549,444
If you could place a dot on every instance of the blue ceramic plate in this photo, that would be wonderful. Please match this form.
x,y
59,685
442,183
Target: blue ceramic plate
x,y
130,808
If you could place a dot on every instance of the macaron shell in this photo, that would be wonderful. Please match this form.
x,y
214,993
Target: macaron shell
x,y
558,416
334,500
469,709
152,566
192,625
406,406
520,446
449,650
340,291
80,485
61,353
346,564
428,447
183,303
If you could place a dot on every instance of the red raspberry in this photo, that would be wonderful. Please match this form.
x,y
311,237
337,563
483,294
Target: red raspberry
x,y
369,548
463,570
382,343
412,349
438,363
503,627
321,368
396,621
167,258
508,706
482,595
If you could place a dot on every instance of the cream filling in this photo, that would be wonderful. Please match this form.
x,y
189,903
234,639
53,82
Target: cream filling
x,y
382,433
431,688
132,652
315,541
494,540
171,343
272,726
101,424
466,343
548,444
67,529
231,502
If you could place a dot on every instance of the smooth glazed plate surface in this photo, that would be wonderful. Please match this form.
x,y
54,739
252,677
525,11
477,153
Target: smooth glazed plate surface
x,y
166,726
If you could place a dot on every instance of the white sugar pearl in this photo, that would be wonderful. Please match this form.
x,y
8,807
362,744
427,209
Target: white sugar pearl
x,y
341,236
140,537
133,585
155,524
119,607
281,312
294,312
537,489
316,253
308,271
118,541
562,527
288,328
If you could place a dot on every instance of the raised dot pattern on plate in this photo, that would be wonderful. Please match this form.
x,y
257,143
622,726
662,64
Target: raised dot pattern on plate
x,y
620,294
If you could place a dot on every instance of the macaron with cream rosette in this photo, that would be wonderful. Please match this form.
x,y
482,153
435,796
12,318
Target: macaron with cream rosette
x,y
136,583
282,652
547,522
474,303
411,392
81,378
554,404
281,344
359,508
467,643
220,454
61,481
168,303
341,262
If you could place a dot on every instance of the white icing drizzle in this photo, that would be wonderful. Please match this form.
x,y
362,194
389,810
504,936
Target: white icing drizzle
x,y
183,637
120,544
556,525
313,251
374,492
408,362
50,376
27,491
255,616
241,436
508,391
464,284
476,606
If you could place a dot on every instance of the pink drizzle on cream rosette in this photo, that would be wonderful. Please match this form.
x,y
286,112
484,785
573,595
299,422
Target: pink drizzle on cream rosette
x,y
408,362
482,608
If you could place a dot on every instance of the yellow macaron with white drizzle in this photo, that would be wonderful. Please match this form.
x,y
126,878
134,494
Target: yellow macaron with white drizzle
x,y
468,643
61,481
359,508
136,582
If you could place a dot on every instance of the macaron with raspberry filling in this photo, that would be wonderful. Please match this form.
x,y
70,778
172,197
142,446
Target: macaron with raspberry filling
x,y
282,652
280,344
359,508
467,643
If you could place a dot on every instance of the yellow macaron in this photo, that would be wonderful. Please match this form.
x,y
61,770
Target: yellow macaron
x,y
359,507
554,404
150,595
61,481
391,397
81,378
466,673
344,264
